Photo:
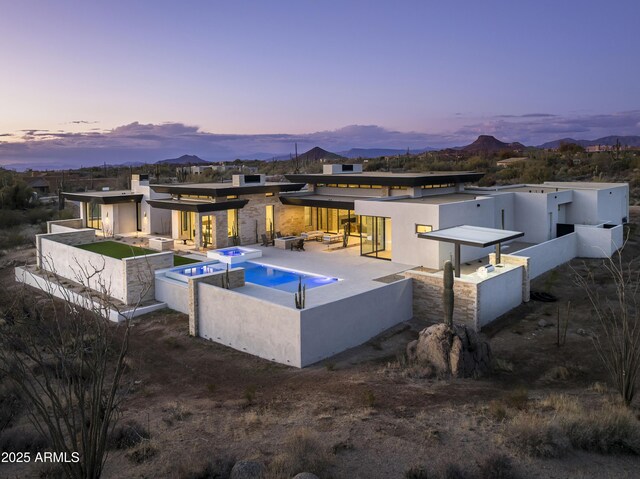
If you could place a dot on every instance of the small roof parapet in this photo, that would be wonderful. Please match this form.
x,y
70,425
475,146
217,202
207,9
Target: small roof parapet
x,y
341,169
248,180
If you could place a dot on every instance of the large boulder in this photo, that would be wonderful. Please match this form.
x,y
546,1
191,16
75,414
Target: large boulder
x,y
247,470
305,475
450,352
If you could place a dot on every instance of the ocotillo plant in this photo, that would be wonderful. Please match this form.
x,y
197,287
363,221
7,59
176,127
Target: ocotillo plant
x,y
447,294
300,296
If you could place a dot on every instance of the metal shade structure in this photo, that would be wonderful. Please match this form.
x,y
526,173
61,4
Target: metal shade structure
x,y
467,235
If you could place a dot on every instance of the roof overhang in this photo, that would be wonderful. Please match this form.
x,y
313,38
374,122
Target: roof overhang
x,y
328,202
197,206
387,180
105,199
226,191
467,235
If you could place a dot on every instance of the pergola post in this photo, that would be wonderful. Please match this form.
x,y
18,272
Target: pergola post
x,y
456,259
498,253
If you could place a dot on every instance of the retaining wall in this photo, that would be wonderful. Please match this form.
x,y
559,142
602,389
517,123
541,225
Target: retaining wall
x,y
61,226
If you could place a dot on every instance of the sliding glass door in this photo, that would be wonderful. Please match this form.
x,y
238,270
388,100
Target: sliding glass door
x,y
376,237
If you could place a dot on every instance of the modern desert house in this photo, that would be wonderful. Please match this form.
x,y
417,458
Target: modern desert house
x,y
382,240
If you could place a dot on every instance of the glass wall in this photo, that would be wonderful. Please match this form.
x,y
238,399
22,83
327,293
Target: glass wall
x,y
331,220
207,230
376,237
93,213
187,224
270,218
233,227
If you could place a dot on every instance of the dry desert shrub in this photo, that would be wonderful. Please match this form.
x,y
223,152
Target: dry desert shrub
x,y
302,452
557,373
128,435
534,435
517,399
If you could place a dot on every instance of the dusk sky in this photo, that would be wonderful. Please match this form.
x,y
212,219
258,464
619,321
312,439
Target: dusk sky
x,y
87,82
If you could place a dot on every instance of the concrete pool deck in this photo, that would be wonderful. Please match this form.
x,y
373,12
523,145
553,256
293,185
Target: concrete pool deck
x,y
357,273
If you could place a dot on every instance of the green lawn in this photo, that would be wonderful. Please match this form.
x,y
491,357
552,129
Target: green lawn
x,y
123,250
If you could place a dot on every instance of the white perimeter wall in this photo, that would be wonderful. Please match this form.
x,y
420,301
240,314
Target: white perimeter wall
x,y
299,337
594,242
613,204
334,327
498,294
548,255
249,324
174,293
74,263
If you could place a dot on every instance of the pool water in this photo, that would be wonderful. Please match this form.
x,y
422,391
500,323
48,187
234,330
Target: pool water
x,y
265,275
231,252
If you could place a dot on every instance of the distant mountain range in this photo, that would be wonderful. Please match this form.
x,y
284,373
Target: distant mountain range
x,y
378,152
605,141
183,160
490,144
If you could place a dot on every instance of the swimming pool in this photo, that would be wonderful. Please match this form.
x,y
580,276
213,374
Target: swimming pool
x,y
269,276
234,254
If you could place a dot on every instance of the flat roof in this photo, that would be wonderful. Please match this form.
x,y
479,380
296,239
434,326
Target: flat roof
x,y
323,201
440,199
225,189
104,197
472,235
389,179
197,206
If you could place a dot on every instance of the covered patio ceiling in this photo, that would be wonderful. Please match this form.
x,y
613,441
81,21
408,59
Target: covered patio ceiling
x,y
197,206
477,236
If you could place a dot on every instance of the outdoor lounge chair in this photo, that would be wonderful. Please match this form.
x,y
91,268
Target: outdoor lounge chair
x,y
278,234
266,241
298,245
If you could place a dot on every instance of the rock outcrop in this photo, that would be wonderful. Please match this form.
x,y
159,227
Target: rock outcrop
x,y
450,352
247,470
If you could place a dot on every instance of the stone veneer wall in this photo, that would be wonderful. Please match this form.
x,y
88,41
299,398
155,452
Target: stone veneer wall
x,y
139,275
72,238
516,261
290,219
59,226
427,298
236,280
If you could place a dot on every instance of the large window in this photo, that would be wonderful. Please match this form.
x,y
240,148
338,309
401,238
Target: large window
x,y
376,237
94,215
270,218
233,227
207,230
331,220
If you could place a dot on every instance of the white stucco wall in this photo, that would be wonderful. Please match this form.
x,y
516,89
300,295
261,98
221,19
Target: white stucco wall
x,y
498,294
249,324
334,327
594,242
613,204
546,256
172,292
76,264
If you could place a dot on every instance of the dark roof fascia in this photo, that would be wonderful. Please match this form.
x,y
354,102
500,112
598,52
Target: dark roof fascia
x,y
328,203
226,191
476,244
103,200
391,180
202,207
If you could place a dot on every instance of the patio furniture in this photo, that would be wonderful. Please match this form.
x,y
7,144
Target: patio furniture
x,y
331,238
285,242
313,235
278,234
266,241
298,245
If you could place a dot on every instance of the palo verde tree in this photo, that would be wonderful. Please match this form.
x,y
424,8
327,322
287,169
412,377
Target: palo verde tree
x,y
67,363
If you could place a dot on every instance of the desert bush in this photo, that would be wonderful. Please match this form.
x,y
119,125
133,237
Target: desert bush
x,y
11,405
496,466
517,398
142,452
127,435
417,472
216,469
497,410
176,412
557,373
10,218
302,452
535,436
38,215
613,429
22,440
12,237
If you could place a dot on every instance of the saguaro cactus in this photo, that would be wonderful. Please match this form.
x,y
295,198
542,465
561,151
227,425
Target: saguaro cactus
x,y
447,294
300,296
226,284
